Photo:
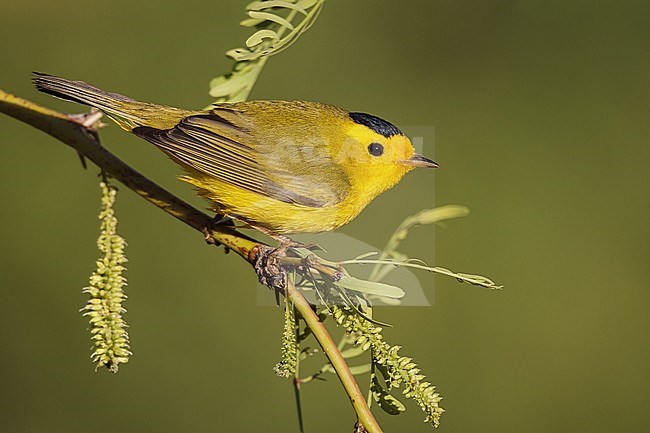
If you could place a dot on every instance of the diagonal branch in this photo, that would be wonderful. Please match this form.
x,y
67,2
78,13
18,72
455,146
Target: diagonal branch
x,y
73,132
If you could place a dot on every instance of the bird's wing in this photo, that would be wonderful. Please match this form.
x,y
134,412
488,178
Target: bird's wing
x,y
220,145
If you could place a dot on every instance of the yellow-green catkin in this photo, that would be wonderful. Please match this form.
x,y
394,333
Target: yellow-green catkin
x,y
289,361
106,290
401,369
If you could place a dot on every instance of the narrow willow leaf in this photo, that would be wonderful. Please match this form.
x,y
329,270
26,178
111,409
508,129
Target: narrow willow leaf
x,y
353,352
271,17
306,4
477,280
262,5
250,22
384,270
383,370
391,405
430,216
387,402
370,287
360,369
259,37
242,55
273,40
236,86
224,86
424,217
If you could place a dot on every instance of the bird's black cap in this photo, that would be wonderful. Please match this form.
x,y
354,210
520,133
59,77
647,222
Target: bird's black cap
x,y
380,126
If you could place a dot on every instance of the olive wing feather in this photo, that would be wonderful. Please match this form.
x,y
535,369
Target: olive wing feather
x,y
220,145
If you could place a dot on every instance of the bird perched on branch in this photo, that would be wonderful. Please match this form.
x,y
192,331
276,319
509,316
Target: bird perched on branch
x,y
281,167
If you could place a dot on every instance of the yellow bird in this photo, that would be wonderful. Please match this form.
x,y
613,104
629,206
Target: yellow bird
x,y
281,167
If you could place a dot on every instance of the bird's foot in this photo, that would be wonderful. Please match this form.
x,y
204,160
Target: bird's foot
x,y
268,267
91,120
267,264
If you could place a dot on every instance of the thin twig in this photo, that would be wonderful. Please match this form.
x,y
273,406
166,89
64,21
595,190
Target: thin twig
x,y
334,355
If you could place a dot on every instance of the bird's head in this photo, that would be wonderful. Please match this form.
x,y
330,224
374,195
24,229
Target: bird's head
x,y
376,154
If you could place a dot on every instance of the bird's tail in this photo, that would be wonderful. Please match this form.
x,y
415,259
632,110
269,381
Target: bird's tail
x,y
127,112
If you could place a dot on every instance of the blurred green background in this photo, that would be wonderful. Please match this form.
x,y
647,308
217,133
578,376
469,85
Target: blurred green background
x,y
541,116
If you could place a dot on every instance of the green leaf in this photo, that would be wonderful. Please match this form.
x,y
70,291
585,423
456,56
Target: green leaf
x,y
369,287
267,41
224,86
430,216
261,5
353,352
242,54
477,280
427,216
383,370
271,17
250,22
389,404
231,87
259,37
360,369
306,4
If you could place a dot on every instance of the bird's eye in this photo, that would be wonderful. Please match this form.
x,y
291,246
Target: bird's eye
x,y
376,149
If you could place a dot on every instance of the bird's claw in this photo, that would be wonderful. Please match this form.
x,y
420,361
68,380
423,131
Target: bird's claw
x,y
268,268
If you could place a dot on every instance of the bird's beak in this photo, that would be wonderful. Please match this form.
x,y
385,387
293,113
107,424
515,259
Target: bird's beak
x,y
420,161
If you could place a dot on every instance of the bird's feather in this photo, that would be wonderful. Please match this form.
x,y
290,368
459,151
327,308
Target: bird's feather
x,y
220,145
